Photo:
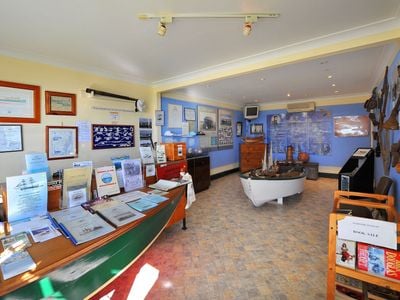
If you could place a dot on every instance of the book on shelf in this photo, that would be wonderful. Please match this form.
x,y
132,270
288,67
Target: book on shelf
x,y
167,185
346,253
117,213
142,205
378,260
86,228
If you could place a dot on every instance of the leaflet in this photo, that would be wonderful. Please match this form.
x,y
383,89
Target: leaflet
x,y
118,213
17,263
130,196
142,205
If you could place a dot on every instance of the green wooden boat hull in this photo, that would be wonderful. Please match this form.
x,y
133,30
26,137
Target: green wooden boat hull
x,y
81,277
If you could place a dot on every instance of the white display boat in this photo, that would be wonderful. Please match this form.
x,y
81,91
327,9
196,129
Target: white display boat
x,y
262,189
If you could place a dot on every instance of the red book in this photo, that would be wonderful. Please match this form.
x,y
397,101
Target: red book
x,y
392,264
362,256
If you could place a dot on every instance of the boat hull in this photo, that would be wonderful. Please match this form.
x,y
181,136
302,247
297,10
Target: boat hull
x,y
261,190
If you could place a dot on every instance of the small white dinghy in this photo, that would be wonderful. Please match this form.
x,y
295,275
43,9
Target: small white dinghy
x,y
262,189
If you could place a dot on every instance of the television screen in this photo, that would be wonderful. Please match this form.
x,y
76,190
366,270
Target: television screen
x,y
251,111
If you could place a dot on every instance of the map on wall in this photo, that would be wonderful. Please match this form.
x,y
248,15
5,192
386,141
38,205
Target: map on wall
x,y
306,131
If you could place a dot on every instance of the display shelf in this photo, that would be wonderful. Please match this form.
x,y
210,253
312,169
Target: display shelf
x,y
382,202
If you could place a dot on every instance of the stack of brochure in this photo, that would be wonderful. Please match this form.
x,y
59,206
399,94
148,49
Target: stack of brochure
x,y
15,259
147,202
166,185
81,226
117,213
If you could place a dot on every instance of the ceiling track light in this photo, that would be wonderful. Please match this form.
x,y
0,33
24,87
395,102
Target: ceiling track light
x,y
249,19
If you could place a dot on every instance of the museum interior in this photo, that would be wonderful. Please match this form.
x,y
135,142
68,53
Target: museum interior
x,y
199,150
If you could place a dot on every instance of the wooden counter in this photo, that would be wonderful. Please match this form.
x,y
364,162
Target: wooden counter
x,y
74,272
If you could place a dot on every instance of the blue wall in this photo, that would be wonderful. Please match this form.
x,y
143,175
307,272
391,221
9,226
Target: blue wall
x,y
218,158
342,147
394,135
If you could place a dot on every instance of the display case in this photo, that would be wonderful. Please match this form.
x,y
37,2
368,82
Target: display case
x,y
199,169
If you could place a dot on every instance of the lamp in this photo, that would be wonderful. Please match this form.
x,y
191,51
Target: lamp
x,y
249,19
139,104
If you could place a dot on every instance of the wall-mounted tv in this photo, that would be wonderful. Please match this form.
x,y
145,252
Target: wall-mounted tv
x,y
251,112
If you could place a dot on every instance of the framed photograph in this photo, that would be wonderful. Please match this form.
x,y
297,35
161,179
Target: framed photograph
x,y
256,129
345,126
112,136
239,128
11,138
61,142
60,103
159,118
19,103
190,114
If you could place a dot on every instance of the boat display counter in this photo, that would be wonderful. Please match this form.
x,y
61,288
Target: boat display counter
x,y
261,189
66,271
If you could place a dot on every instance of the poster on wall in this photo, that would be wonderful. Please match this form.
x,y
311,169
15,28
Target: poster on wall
x,y
306,131
207,124
112,136
145,132
345,126
174,116
225,121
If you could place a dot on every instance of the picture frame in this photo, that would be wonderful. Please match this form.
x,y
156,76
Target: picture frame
x,y
28,98
256,129
159,118
110,136
61,142
189,114
11,138
239,128
58,103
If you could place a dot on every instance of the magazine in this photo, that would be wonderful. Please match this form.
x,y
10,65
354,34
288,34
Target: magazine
x,y
142,205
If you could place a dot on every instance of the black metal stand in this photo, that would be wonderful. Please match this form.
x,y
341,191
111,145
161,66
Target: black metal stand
x,y
184,224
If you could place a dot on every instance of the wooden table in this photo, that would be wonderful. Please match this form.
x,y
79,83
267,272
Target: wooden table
x,y
75,272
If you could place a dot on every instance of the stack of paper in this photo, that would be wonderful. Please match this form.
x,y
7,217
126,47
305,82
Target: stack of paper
x,y
118,213
164,185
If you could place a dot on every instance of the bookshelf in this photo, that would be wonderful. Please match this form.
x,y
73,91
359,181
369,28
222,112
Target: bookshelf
x,y
374,201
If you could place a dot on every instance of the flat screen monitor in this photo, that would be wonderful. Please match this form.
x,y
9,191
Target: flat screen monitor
x,y
251,111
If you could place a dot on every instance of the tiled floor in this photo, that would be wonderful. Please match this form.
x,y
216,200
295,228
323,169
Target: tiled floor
x,y
233,250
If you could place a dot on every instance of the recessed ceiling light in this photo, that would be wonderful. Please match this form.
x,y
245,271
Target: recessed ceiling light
x,y
333,84
262,78
288,94
329,76
336,92
256,101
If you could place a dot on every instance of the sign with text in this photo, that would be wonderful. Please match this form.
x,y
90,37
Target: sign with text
x,y
370,231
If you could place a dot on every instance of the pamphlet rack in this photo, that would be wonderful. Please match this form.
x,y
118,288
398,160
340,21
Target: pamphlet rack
x,y
371,201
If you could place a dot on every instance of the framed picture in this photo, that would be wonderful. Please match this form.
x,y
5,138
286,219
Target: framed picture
x,y
61,142
256,129
11,138
190,114
60,103
112,136
345,126
20,103
239,128
159,118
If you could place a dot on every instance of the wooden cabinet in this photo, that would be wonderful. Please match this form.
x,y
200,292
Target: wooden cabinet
x,y
199,168
380,202
251,156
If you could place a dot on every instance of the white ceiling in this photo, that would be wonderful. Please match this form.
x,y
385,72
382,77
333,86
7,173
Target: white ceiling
x,y
107,38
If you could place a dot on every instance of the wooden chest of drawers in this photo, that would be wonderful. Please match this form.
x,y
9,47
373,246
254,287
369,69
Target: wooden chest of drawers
x,y
251,156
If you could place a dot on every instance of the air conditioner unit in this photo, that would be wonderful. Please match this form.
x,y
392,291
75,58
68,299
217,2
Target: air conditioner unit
x,y
301,107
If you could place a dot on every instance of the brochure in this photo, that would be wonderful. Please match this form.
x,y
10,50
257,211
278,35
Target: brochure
x,y
85,228
142,205
41,228
76,186
106,181
165,185
132,174
27,196
69,214
16,263
16,241
155,198
118,213
118,168
130,196
37,163
146,153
